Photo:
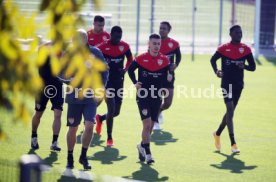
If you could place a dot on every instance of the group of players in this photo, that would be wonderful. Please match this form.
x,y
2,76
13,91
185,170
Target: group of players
x,y
155,68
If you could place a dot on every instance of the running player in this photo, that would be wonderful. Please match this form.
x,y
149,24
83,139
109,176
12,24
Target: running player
x,y
171,49
153,69
97,35
81,106
54,87
114,51
233,57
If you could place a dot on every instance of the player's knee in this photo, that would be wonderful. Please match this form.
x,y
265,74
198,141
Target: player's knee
x,y
89,126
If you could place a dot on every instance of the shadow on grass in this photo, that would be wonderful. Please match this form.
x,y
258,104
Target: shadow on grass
x,y
32,151
69,176
146,173
96,141
108,156
160,137
53,157
232,164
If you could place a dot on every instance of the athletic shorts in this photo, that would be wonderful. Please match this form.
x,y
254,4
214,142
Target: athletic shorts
x,y
76,111
149,108
167,84
231,94
112,90
53,92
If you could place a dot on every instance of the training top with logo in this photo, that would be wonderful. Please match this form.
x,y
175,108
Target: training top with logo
x,y
231,56
151,71
171,49
114,56
96,39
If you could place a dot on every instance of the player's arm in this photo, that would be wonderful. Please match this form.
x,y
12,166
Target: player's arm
x,y
177,56
251,63
131,72
129,60
213,61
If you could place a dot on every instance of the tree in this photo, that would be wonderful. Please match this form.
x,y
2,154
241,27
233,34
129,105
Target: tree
x,y
18,66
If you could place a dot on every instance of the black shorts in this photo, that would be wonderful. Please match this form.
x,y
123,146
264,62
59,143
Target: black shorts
x,y
167,84
114,89
149,108
231,93
52,91
76,111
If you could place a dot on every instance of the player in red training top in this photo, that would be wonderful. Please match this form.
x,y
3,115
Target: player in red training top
x,y
233,57
114,51
171,49
97,35
153,69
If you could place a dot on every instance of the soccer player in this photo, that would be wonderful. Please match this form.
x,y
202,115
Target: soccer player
x,y
153,69
114,51
171,49
233,63
77,107
53,91
97,35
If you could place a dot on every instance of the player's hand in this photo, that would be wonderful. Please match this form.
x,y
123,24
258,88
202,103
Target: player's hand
x,y
173,66
240,65
169,77
138,85
219,73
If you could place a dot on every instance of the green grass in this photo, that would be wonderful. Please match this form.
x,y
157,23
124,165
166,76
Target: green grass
x,y
184,149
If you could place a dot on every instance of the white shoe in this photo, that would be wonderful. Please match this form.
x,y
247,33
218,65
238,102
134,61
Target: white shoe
x,y
141,152
160,118
235,149
149,159
55,147
34,143
156,126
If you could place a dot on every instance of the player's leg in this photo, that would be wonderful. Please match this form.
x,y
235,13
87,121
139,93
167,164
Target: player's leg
x,y
89,113
109,120
57,107
167,100
236,96
218,132
56,129
74,115
40,106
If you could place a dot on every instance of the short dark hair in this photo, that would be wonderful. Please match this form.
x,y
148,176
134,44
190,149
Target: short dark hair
x,y
116,29
234,27
98,18
154,36
166,23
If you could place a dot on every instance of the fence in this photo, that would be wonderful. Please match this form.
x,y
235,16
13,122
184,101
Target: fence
x,y
199,25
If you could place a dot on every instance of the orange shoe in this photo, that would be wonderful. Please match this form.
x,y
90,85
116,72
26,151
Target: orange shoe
x,y
217,141
235,149
98,124
109,143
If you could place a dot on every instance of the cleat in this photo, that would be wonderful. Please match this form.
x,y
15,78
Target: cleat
x,y
156,126
217,141
70,163
160,118
85,164
109,143
235,149
55,147
34,143
149,159
141,152
98,124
